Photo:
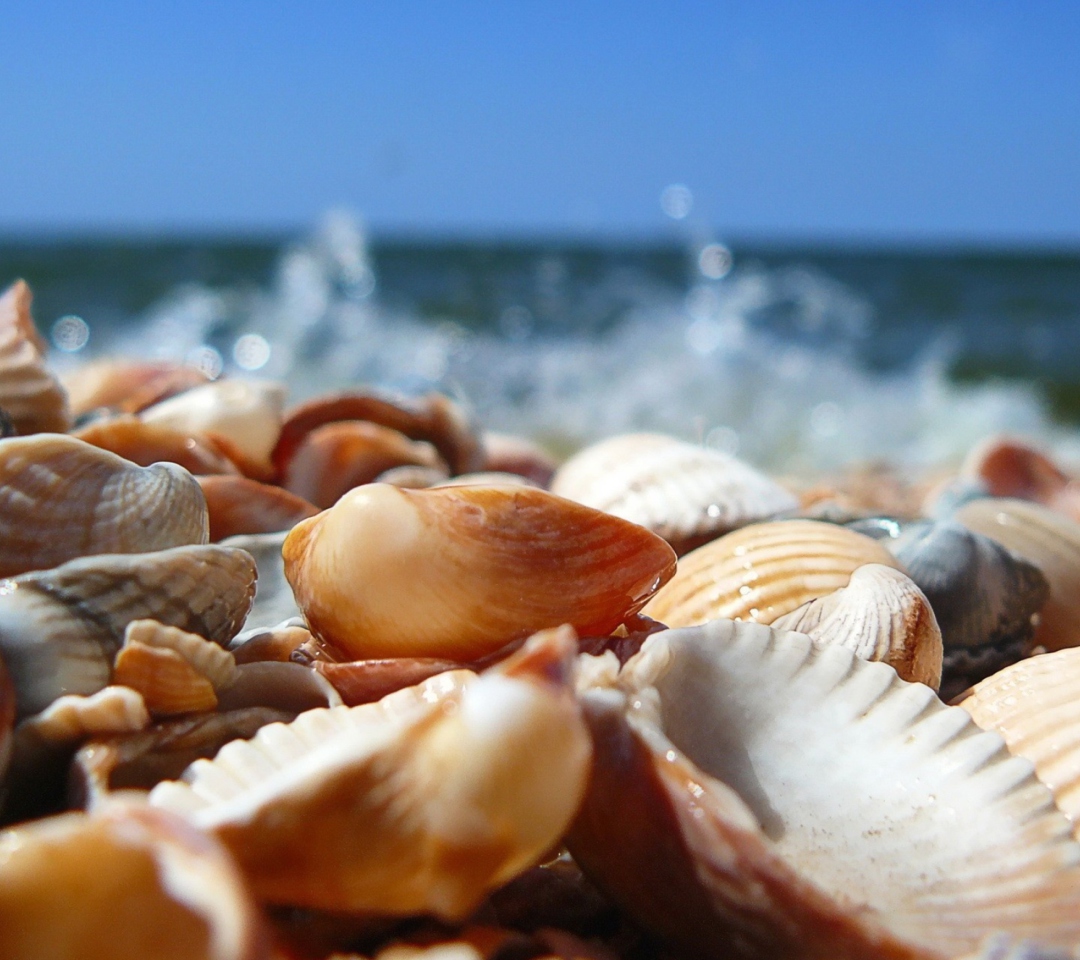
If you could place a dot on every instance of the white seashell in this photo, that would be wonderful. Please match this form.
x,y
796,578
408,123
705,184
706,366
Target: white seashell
x,y
72,719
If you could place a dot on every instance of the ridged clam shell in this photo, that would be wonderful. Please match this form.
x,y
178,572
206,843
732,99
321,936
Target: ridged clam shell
x,y
126,386
248,413
61,498
357,808
985,598
239,505
821,807
208,659
762,572
126,883
1035,706
457,572
147,443
1046,539
30,395
60,629
681,491
167,682
880,615
274,602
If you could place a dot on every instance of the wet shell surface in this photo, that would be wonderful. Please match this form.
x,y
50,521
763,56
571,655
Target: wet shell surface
x,y
30,395
880,615
681,491
457,572
1046,539
763,571
822,807
985,598
239,505
420,803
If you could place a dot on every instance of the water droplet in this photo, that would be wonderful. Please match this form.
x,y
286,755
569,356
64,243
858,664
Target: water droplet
x,y
70,333
676,201
251,351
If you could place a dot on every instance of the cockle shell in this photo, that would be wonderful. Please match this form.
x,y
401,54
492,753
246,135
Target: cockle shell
x,y
880,615
208,659
30,395
127,386
762,572
686,493
1046,539
61,499
788,799
128,883
167,682
239,505
457,572
404,806
985,598
146,443
61,628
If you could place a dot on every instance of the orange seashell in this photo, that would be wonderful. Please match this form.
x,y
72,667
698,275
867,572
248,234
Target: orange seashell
x,y
334,458
146,443
240,505
1009,467
365,681
457,572
763,571
30,395
127,386
167,682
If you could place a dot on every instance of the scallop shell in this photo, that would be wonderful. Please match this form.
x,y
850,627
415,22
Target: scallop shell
x,y
127,883
822,807
402,809
247,413
1046,539
239,505
61,498
274,602
985,598
146,443
334,458
685,493
30,395
762,572
60,629
880,615
127,386
457,572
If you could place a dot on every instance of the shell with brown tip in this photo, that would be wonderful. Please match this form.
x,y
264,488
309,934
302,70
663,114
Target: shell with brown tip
x,y
457,572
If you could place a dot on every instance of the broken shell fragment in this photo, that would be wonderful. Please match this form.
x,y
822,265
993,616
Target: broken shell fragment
x,y
763,571
208,659
73,718
880,615
686,493
420,803
61,498
239,505
457,572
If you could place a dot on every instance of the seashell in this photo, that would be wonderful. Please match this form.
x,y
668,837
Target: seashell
x,y
457,572
127,386
880,615
334,458
789,799
127,883
239,505
686,493
30,395
61,498
208,659
483,779
274,602
270,643
1007,467
1034,706
60,629
1046,539
73,718
365,681
505,453
147,443
762,572
866,490
247,413
434,418
289,687
413,478
985,598
167,682
487,479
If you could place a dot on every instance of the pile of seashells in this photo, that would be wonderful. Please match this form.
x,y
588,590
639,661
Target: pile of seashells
x,y
354,679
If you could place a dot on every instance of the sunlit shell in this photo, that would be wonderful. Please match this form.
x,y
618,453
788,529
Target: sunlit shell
x,y
762,572
290,687
247,413
239,505
457,572
61,498
684,492
403,806
334,458
274,602
60,629
30,395
434,418
128,883
505,453
865,490
127,386
145,443
880,615
1010,467
792,800
985,598
1046,539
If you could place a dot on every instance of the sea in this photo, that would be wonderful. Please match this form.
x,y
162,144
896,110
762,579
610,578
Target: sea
x,y
799,357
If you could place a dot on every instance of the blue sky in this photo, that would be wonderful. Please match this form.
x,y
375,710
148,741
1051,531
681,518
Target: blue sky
x,y
871,119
